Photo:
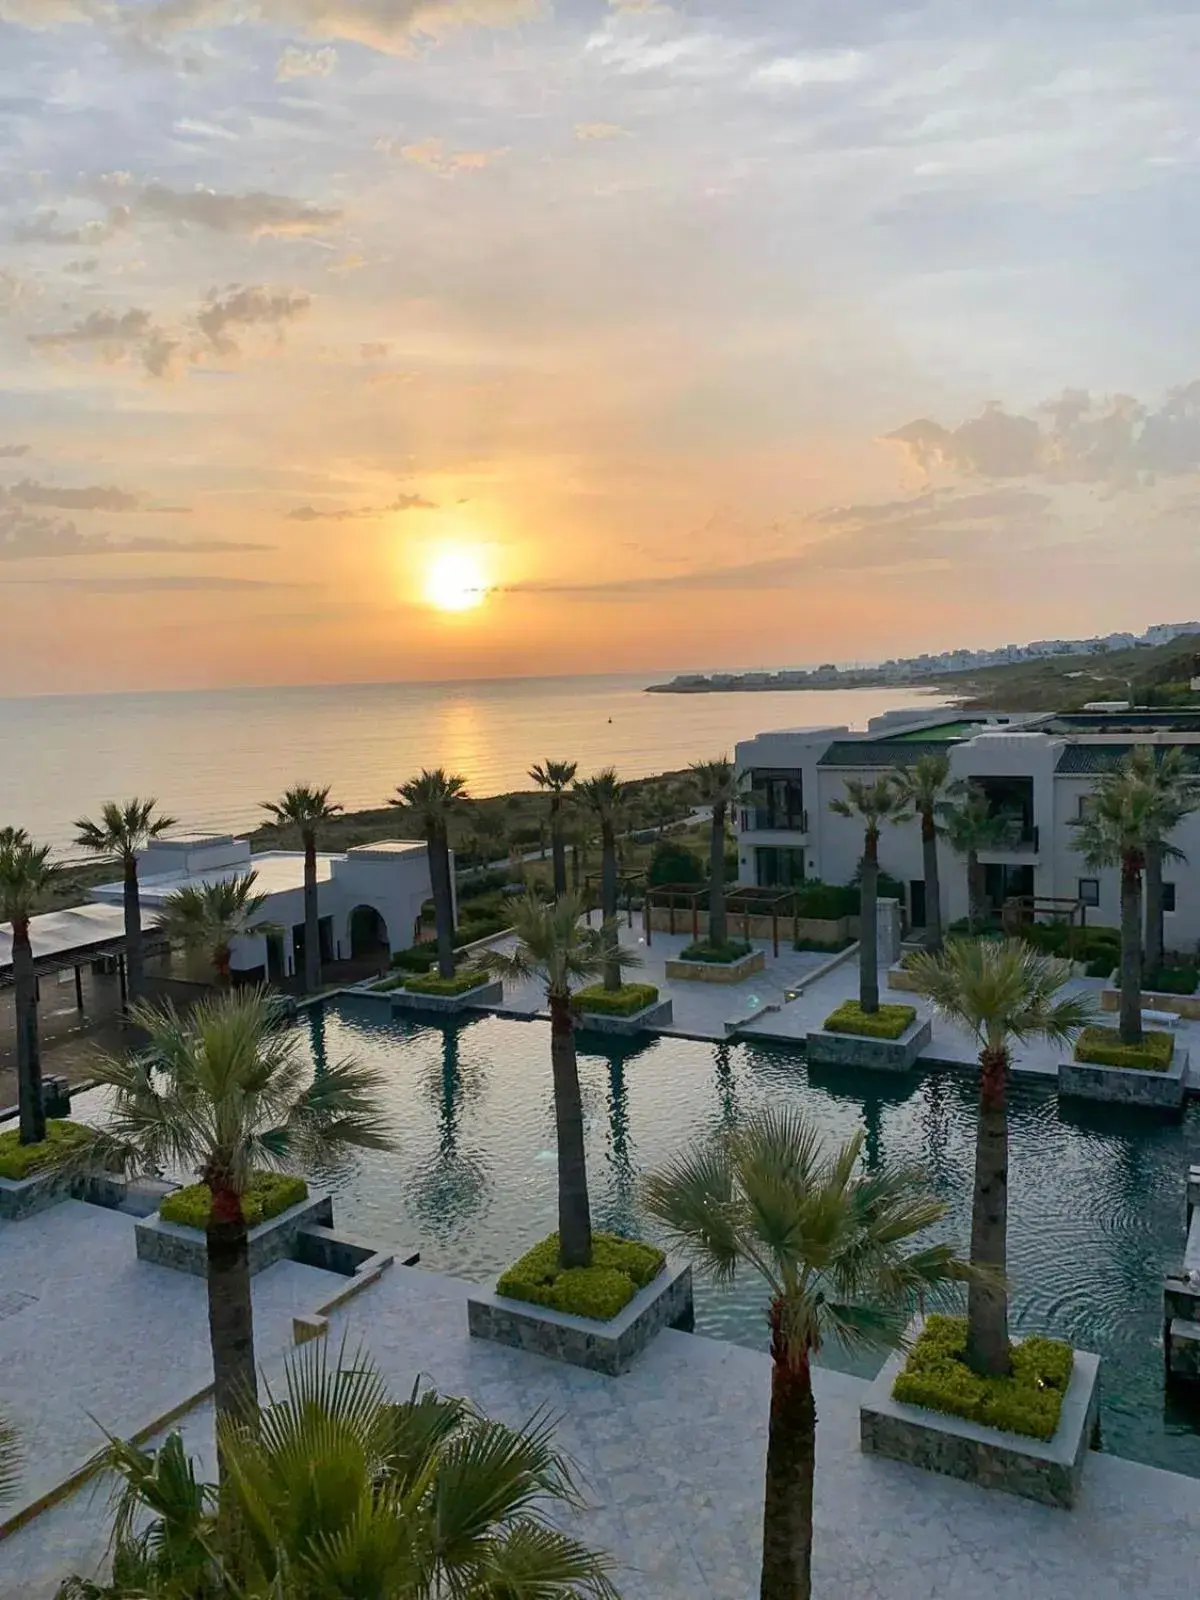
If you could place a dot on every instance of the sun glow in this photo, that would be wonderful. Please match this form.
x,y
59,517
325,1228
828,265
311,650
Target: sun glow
x,y
456,581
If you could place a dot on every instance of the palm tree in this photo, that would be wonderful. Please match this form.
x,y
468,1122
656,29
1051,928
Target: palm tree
x,y
342,1490
717,784
206,918
924,790
556,777
25,876
306,808
433,797
1003,992
832,1242
125,831
972,826
554,945
1172,776
604,795
223,1092
870,804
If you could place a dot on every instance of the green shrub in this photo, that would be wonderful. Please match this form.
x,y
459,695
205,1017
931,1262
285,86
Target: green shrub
x,y
622,1002
481,884
386,985
829,947
1101,967
420,958
937,1377
19,1160
460,983
718,954
1172,980
673,862
267,1195
889,1022
620,1267
1102,1047
827,902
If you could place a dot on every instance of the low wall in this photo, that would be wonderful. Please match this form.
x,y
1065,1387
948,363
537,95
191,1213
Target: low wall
x,y
167,1244
824,930
1183,1005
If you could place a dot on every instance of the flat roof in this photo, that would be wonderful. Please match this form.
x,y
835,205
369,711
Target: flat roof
x,y
278,872
79,931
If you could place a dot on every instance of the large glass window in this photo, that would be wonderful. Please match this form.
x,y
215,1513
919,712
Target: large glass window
x,y
778,868
777,800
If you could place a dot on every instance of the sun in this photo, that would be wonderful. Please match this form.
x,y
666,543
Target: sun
x,y
455,582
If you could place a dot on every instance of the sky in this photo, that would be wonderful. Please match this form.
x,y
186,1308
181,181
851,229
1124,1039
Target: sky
x,y
361,340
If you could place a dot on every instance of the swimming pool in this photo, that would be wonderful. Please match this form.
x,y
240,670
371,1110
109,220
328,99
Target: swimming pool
x,y
1096,1194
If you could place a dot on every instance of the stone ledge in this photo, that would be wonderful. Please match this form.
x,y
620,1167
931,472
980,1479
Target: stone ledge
x,y
658,1014
1183,1005
167,1244
1129,1086
717,971
484,994
1048,1471
880,1055
25,1197
608,1347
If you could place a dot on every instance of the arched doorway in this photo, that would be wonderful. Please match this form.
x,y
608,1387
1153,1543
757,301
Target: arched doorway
x,y
368,933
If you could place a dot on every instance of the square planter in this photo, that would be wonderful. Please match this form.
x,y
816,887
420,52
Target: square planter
x,y
1128,1086
488,993
880,1055
167,1244
659,1014
1048,1471
608,1347
25,1197
717,971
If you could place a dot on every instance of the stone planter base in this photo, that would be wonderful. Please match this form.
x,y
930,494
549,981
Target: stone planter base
x,y
167,1244
1183,1005
901,978
484,994
716,971
880,1055
658,1015
608,1347
1048,1472
1127,1086
25,1197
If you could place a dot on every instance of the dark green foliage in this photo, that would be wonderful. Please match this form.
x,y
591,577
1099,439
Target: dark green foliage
x,y
1171,980
622,1002
620,1267
824,946
460,983
23,1160
1074,944
889,1022
421,958
827,902
1101,967
718,954
1102,1047
1029,1402
673,862
267,1195
479,885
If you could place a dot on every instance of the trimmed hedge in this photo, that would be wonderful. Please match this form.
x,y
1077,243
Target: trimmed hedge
x,y
267,1195
1102,1047
826,902
828,947
722,955
622,1002
19,1160
419,959
1172,980
937,1377
620,1267
460,983
889,1022
673,862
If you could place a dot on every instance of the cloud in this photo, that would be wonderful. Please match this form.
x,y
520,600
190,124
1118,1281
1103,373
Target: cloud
x,y
256,214
27,535
799,72
10,452
402,502
170,583
99,328
295,63
433,155
248,307
45,228
95,498
588,132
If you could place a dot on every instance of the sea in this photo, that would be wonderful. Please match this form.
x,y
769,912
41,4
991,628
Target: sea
x,y
211,757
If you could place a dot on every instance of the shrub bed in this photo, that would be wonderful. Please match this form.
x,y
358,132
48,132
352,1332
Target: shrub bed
x,y
267,1195
719,954
828,901
622,1002
420,958
19,1160
1102,1047
620,1267
829,947
889,1022
1172,980
937,1377
1101,967
460,983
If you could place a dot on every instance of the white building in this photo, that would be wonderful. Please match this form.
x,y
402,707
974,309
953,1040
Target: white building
x,y
369,898
1039,768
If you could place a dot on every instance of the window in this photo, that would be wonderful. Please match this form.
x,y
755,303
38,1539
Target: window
x,y
1089,891
1087,807
1168,897
779,869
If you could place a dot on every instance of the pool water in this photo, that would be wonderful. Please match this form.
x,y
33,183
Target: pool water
x,y
1096,1195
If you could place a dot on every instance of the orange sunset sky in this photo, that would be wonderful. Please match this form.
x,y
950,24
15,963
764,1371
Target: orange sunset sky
x,y
450,338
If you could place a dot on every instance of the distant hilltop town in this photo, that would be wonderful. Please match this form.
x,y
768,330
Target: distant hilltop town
x,y
914,669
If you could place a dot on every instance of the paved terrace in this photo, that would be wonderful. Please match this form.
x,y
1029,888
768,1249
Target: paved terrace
x,y
671,1457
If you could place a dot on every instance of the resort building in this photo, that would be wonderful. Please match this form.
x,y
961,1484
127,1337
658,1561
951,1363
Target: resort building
x,y
1039,769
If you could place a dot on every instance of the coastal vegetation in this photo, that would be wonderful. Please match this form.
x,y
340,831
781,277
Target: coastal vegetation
x,y
718,786
604,796
124,832
869,804
207,918
26,873
925,790
304,809
431,799
556,778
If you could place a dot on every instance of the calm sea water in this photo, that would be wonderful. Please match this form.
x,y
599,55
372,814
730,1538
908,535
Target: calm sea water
x,y
211,757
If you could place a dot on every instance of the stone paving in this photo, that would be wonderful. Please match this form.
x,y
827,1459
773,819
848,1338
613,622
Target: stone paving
x,y
671,1460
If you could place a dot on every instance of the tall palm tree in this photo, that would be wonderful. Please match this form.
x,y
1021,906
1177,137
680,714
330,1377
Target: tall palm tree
x,y
26,874
970,827
556,777
717,784
222,1092
342,1490
604,795
924,790
554,945
871,804
306,809
433,797
1172,776
206,919
1003,992
125,831
834,1245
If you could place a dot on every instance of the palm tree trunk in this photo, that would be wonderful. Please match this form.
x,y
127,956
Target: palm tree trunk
x,y
29,1056
933,885
312,920
608,906
133,932
791,1450
574,1211
717,931
1153,870
1131,948
974,897
443,905
987,1302
868,929
558,847
230,1309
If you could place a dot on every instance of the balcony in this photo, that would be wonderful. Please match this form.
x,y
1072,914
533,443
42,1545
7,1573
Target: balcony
x,y
764,819
1023,842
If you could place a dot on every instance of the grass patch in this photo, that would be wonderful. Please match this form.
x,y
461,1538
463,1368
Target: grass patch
x,y
268,1194
937,1377
620,1267
1102,1047
889,1022
460,983
1172,980
825,947
622,1002
19,1160
721,955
